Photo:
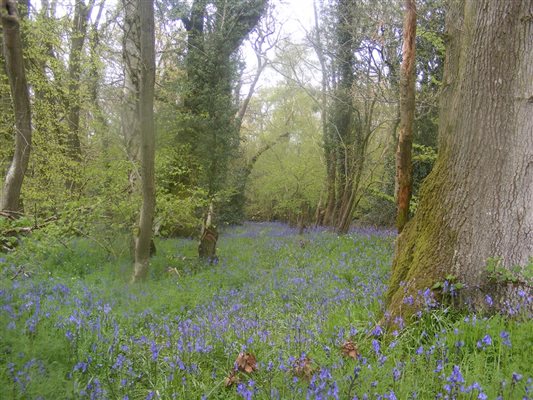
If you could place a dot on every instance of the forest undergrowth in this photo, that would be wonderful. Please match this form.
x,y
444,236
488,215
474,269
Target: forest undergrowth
x,y
281,316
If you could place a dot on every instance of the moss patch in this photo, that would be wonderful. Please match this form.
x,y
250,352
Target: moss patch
x,y
424,249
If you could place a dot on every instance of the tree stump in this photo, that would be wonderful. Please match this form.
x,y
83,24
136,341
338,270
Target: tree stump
x,y
207,248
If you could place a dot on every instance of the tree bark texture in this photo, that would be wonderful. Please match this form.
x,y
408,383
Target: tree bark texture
x,y
14,61
343,126
404,167
146,117
207,248
82,13
325,216
477,202
131,54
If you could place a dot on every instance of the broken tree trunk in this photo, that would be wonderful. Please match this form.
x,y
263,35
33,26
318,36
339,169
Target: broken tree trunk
x,y
207,248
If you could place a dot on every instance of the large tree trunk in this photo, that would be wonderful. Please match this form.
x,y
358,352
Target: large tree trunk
x,y
146,117
404,167
12,45
477,202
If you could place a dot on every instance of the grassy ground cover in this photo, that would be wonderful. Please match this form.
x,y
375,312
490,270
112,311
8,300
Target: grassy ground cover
x,y
76,329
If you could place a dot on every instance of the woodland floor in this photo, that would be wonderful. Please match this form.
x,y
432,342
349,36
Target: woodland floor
x,y
281,316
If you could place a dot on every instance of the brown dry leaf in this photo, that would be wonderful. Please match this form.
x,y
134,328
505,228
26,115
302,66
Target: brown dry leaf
x,y
349,349
303,368
246,362
231,379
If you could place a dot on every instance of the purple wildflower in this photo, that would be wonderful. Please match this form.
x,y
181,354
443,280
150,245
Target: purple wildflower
x,y
505,338
516,377
456,376
376,346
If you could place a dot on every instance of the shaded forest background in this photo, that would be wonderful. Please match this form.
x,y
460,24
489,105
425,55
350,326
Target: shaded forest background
x,y
312,143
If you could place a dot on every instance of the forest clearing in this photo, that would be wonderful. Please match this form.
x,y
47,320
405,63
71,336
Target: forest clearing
x,y
77,329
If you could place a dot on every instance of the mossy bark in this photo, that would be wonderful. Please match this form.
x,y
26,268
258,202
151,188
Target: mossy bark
x,y
476,203
425,246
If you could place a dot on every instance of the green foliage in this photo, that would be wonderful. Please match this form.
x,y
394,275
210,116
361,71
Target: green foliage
x,y
6,121
424,158
179,216
378,207
499,273
209,105
289,176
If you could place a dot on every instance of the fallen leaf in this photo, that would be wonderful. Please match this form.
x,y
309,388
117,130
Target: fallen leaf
x,y
303,368
246,362
231,379
349,349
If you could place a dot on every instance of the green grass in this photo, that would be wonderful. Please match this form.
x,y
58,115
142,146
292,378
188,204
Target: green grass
x,y
76,329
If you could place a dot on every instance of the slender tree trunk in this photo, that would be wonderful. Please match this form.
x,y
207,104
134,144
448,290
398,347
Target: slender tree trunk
x,y
14,61
476,203
146,116
131,53
325,216
349,204
404,167
82,13
261,65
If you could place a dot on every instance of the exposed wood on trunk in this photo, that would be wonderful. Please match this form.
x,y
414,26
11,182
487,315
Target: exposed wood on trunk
x,y
207,248
146,116
12,45
404,165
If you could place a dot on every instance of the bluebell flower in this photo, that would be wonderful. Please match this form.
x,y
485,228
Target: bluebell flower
x,y
376,346
516,377
154,350
505,338
396,374
377,331
456,376
391,396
